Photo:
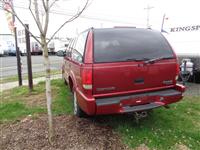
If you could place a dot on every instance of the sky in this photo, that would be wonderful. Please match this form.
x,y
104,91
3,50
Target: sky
x,y
110,13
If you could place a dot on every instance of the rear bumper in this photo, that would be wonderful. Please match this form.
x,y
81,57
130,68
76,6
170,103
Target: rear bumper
x,y
133,102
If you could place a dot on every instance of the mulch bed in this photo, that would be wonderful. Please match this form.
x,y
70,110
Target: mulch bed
x,y
70,133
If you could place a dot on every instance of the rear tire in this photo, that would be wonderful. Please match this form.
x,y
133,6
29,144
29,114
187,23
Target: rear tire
x,y
65,82
64,78
77,110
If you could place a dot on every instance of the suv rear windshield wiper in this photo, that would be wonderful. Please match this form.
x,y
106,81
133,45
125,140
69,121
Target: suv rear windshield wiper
x,y
136,59
153,60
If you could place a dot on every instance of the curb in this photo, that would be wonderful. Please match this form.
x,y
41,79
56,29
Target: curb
x,y
10,85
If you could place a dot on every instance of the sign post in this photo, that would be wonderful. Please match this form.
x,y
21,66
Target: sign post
x,y
19,69
29,65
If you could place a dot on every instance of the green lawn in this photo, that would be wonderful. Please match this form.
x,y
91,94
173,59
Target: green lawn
x,y
163,129
18,102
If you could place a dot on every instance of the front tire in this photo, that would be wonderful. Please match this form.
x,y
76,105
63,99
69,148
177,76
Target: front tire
x,y
77,110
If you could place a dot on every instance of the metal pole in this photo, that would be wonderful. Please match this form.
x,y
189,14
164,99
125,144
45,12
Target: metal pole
x,y
19,69
184,72
163,20
29,65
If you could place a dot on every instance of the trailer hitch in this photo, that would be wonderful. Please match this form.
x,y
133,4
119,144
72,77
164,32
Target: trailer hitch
x,y
139,115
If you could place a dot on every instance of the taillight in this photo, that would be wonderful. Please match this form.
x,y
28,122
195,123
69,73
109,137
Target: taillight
x,y
87,79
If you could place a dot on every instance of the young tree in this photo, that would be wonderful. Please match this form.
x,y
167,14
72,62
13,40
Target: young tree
x,y
45,6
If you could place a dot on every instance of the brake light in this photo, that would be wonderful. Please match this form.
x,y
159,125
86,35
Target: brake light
x,y
87,79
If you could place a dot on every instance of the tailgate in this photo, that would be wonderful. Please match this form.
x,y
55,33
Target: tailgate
x,y
116,78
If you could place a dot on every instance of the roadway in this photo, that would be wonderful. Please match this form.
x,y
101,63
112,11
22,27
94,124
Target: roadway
x,y
8,65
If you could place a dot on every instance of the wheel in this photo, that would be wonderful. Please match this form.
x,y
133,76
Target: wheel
x,y
64,79
77,110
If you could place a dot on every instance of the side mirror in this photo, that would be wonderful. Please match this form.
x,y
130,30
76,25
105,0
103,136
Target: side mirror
x,y
61,53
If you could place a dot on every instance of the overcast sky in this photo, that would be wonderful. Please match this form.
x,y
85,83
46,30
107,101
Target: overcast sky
x,y
109,13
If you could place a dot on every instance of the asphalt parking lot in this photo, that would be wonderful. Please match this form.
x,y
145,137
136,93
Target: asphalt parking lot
x,y
8,65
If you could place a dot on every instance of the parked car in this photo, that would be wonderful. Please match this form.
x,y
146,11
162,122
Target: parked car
x,y
35,49
121,70
11,52
60,51
1,51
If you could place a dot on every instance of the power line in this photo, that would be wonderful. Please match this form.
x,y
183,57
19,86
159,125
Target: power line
x,y
84,16
58,12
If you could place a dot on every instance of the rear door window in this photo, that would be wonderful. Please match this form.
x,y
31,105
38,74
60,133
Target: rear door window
x,y
79,47
123,44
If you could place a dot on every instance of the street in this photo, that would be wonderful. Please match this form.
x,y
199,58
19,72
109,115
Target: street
x,y
8,65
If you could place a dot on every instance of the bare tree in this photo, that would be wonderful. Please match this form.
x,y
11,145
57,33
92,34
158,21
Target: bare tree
x,y
46,6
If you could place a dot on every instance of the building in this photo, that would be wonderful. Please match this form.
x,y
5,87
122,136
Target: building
x,y
7,44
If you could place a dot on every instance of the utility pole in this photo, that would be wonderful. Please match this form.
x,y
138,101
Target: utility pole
x,y
29,65
163,21
19,69
148,8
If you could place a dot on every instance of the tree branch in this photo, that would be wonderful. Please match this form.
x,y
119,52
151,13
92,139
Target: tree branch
x,y
69,20
14,13
34,16
51,5
44,6
47,16
37,16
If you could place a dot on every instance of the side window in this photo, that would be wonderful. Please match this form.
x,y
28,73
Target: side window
x,y
76,56
79,47
73,43
68,49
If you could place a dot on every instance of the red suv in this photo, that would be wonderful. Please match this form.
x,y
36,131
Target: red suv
x,y
121,70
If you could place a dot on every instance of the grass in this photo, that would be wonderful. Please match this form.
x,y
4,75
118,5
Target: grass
x,y
25,76
15,103
163,129
11,111
62,103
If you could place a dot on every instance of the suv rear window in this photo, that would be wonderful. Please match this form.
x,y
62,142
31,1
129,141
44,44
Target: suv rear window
x,y
123,44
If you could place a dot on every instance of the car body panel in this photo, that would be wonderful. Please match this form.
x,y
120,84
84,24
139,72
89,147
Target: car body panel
x,y
128,76
120,87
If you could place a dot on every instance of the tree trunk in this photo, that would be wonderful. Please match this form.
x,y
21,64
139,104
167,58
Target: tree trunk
x,y
48,86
